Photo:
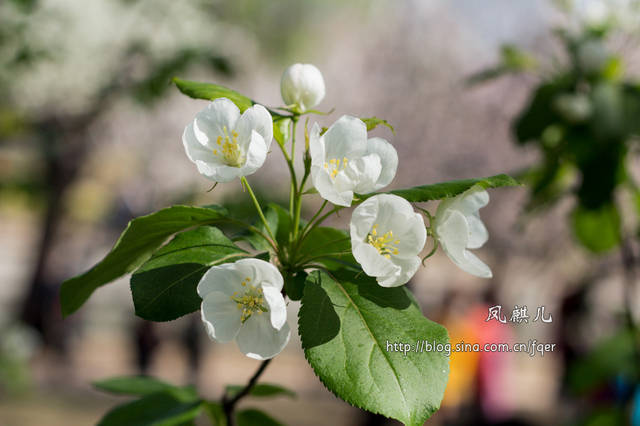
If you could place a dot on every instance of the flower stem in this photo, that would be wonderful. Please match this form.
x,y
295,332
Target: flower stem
x,y
290,159
312,226
229,404
315,216
257,205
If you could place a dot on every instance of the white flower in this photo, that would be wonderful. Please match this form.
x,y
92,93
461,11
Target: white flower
x,y
458,227
575,107
344,162
225,145
386,237
595,13
243,300
302,86
592,56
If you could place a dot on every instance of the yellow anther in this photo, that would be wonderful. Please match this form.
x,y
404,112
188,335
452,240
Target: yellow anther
x,y
251,301
231,151
384,244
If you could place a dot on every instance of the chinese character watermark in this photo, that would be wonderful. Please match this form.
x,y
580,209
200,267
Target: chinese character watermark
x,y
519,315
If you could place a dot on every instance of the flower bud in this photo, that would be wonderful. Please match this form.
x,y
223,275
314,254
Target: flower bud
x,y
302,86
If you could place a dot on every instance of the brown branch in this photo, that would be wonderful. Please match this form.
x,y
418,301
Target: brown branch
x,y
229,404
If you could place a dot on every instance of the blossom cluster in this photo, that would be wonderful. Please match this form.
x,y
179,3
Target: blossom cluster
x,y
243,300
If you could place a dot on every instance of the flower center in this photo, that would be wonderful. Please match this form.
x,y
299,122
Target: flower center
x,y
229,149
251,301
385,244
333,166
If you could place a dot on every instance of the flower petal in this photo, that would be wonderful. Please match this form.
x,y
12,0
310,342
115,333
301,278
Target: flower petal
x,y
225,173
411,235
261,273
453,234
407,268
388,160
372,262
223,278
258,339
347,137
316,146
363,218
472,200
221,317
364,172
196,151
258,119
478,234
326,189
256,154
475,266
212,120
277,306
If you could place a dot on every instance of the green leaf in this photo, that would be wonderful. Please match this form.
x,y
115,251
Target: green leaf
x,y
278,215
452,188
597,230
513,60
139,240
374,122
294,285
612,357
262,390
279,222
164,288
328,246
216,413
281,130
167,408
212,91
540,114
253,417
347,324
132,385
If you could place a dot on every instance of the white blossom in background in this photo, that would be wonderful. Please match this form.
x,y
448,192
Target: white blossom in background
x,y
344,162
595,13
575,107
225,145
458,228
593,56
302,87
386,238
243,301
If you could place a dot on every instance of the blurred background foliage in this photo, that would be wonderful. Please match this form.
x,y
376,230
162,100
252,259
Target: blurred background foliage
x,y
583,120
90,132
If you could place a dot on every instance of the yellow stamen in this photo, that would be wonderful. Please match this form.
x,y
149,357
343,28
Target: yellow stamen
x,y
334,166
231,152
251,301
383,244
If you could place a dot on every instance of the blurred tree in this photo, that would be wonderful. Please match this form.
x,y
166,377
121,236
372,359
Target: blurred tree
x,y
583,120
57,139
